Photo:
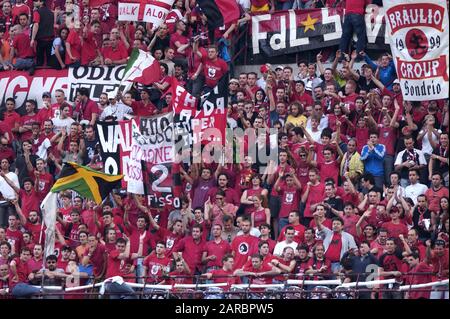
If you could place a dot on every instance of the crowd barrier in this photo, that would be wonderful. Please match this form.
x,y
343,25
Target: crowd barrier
x,y
289,289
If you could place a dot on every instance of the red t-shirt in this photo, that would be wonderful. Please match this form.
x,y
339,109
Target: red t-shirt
x,y
213,70
217,249
118,267
75,47
333,252
387,138
22,45
141,109
299,236
219,276
316,195
118,53
30,201
290,198
18,9
174,37
44,185
10,119
260,280
243,247
87,110
329,170
192,252
350,224
440,264
434,198
419,278
304,98
22,270
15,238
90,46
155,267
97,260
134,234
169,238
394,230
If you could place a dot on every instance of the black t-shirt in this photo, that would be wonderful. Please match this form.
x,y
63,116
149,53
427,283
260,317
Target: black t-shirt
x,y
21,166
90,150
363,85
419,225
439,166
335,203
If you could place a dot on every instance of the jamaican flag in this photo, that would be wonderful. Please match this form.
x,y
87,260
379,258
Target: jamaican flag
x,y
85,181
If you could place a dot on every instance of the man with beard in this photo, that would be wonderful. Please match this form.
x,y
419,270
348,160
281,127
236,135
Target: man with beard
x,y
31,224
50,276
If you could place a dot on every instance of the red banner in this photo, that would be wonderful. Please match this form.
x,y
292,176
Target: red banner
x,y
21,86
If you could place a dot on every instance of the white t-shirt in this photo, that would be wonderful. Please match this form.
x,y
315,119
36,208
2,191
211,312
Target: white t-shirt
x,y
412,191
58,124
426,145
6,190
279,247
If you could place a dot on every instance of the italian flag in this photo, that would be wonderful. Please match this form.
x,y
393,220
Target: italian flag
x,y
142,68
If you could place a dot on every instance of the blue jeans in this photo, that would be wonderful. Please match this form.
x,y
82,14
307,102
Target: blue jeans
x,y
388,168
117,291
23,64
284,5
22,290
139,270
353,23
379,181
281,223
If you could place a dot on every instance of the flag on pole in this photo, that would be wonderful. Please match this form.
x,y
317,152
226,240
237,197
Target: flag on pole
x,y
142,67
219,12
85,181
49,208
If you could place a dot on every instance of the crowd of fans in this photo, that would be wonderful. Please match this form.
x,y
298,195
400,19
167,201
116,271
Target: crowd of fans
x,y
361,178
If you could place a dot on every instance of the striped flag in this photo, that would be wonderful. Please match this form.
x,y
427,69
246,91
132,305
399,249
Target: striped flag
x,y
142,67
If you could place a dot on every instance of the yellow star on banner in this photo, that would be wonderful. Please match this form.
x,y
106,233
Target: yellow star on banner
x,y
309,23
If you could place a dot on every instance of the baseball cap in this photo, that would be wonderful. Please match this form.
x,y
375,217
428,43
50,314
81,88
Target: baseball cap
x,y
46,94
279,67
234,80
396,81
264,68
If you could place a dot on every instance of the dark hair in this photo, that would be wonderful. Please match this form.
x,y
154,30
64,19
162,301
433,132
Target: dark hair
x,y
289,228
7,244
51,257
338,219
83,91
368,177
198,226
121,241
327,132
164,65
262,242
226,257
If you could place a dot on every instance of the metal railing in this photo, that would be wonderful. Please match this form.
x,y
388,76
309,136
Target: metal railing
x,y
291,287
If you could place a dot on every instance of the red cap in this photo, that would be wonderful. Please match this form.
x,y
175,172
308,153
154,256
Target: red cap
x,y
264,68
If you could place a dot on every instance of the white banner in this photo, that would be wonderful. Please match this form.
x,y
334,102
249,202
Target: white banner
x,y
418,32
133,172
128,11
155,11
98,80
152,142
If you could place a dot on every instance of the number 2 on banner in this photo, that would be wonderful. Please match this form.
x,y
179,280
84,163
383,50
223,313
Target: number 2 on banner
x,y
156,183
